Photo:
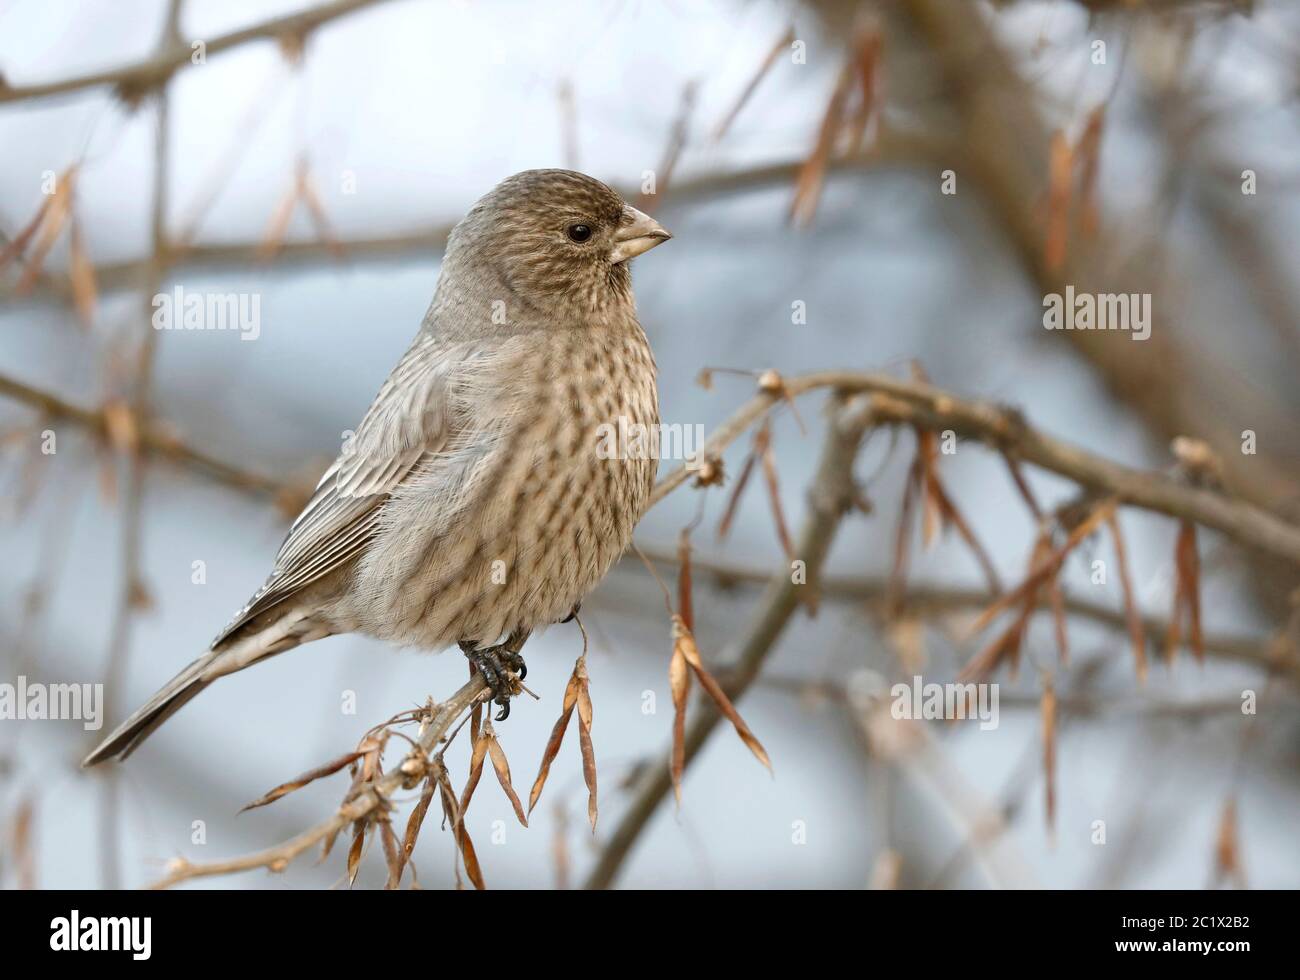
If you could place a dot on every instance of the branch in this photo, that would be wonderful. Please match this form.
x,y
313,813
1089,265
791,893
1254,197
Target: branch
x,y
140,397
277,858
429,241
1005,429
154,439
1139,709
142,77
830,498
1163,379
925,600
832,494
908,402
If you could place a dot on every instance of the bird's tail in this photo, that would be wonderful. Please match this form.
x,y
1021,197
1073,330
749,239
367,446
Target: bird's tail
x,y
282,634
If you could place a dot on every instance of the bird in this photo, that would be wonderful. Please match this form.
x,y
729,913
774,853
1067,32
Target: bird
x,y
478,500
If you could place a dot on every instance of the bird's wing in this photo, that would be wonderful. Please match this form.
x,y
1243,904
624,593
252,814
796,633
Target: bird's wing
x,y
415,413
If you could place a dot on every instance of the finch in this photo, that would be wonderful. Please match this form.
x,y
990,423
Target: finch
x,y
478,500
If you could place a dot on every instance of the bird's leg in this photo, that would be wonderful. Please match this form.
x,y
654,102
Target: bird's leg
x,y
496,664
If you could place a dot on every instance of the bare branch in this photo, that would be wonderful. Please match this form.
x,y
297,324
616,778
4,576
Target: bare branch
x,y
154,439
908,402
138,79
831,497
1002,428
429,241
924,600
278,858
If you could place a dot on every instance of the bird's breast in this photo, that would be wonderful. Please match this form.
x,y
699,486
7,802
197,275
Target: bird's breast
x,y
552,505
599,420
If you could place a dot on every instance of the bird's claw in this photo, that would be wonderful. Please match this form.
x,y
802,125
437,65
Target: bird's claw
x,y
497,664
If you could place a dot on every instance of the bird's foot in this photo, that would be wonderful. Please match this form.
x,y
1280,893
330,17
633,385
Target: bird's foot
x,y
502,668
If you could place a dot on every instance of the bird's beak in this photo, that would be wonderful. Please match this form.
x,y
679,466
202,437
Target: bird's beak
x,y
635,236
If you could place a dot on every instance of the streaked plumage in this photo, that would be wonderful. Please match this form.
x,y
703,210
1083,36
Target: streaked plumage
x,y
472,503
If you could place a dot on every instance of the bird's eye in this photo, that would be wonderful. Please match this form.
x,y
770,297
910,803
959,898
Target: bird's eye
x,y
579,233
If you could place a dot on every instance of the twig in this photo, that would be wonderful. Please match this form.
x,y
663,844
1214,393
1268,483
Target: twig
x,y
831,497
677,136
1001,428
1163,379
781,45
909,402
278,858
142,77
154,439
929,600
131,590
429,241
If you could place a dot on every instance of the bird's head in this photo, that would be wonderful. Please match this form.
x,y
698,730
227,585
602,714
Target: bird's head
x,y
556,238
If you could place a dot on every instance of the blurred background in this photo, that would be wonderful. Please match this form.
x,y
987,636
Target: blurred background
x,y
912,175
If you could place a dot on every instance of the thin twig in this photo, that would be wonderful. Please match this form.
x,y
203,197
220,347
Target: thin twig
x,y
1002,428
277,858
142,77
911,403
831,497
923,600
429,241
